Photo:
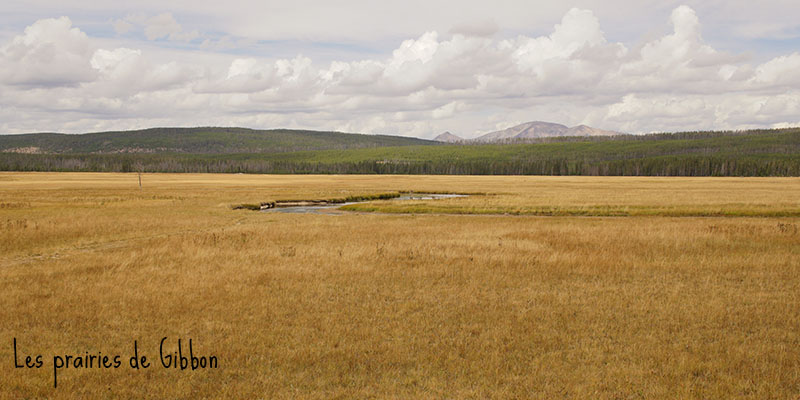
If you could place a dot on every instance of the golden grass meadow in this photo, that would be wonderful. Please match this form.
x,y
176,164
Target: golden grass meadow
x,y
533,287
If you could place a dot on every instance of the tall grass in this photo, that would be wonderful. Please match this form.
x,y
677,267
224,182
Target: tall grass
x,y
399,305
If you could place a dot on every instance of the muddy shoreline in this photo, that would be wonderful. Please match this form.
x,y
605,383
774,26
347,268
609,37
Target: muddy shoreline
x,y
320,206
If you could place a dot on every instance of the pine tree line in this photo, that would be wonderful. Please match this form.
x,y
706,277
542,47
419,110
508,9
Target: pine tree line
x,y
672,165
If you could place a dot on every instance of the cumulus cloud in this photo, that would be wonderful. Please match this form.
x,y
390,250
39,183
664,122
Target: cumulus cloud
x,y
125,72
50,53
783,70
465,81
245,75
679,61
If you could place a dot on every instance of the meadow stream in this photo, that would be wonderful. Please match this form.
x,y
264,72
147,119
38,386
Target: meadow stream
x,y
311,207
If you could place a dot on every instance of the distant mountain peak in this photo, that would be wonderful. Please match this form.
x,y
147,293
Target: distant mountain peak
x,y
448,138
541,129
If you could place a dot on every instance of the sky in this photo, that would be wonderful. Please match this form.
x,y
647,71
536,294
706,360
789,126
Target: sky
x,y
411,68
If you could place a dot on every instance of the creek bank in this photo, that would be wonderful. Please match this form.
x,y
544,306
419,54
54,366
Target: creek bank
x,y
318,206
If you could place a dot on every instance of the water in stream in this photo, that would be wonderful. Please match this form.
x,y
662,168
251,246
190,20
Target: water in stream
x,y
333,208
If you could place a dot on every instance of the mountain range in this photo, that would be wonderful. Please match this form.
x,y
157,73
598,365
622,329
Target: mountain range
x,y
215,140
529,130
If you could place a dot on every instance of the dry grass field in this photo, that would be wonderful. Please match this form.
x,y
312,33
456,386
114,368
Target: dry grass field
x,y
561,287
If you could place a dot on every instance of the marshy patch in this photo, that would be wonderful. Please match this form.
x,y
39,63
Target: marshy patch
x,y
328,205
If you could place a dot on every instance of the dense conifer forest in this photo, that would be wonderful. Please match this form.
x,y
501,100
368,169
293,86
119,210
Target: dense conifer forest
x,y
741,153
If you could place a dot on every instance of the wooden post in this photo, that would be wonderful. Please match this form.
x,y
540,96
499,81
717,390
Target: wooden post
x,y
139,169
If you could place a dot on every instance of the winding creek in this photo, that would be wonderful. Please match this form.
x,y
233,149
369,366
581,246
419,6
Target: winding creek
x,y
321,207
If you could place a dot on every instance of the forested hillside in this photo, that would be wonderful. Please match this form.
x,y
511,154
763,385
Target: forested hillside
x,y
197,140
752,153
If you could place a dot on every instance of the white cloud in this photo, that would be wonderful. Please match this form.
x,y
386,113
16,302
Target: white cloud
x,y
107,61
50,53
446,111
578,29
245,75
467,82
783,70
